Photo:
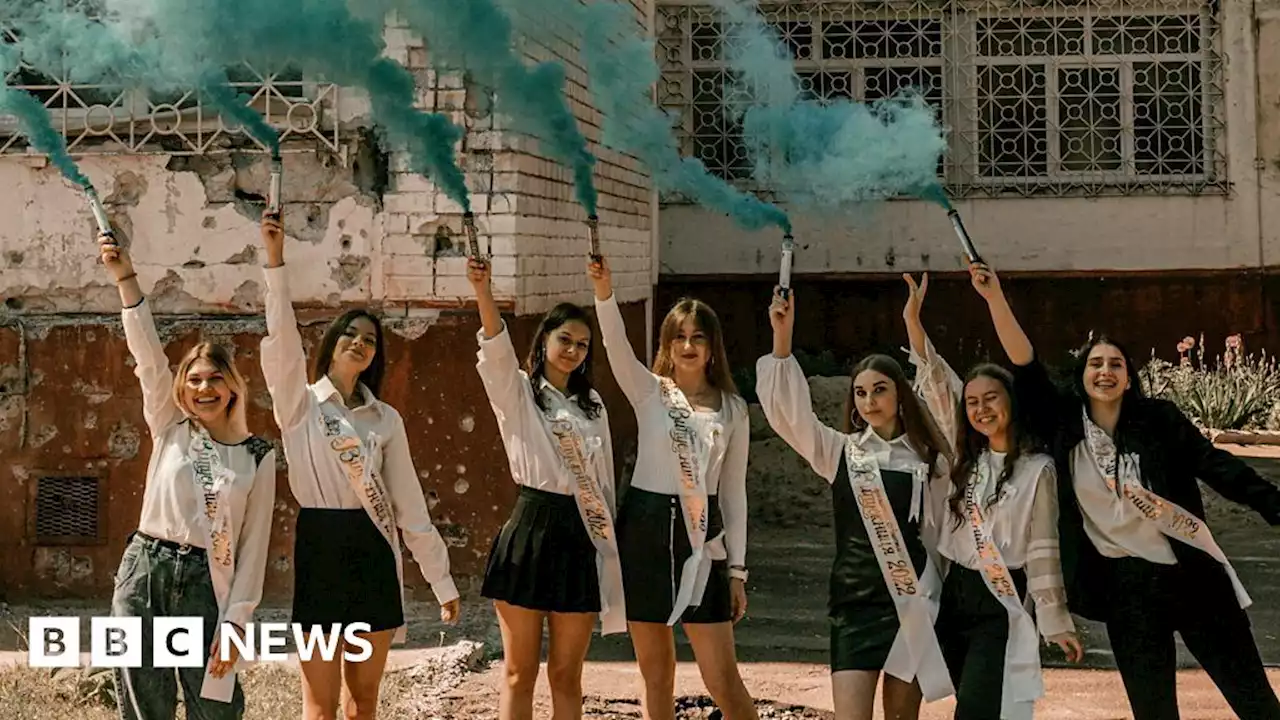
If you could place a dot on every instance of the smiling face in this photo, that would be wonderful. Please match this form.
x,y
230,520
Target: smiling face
x,y
567,346
1106,375
205,392
875,397
987,405
356,347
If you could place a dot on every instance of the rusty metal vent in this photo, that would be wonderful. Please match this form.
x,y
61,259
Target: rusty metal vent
x,y
67,508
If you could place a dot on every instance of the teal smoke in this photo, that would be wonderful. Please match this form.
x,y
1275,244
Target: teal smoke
x,y
826,154
478,36
173,45
36,124
622,69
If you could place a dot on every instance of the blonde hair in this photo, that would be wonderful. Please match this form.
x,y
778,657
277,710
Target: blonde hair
x,y
221,359
717,370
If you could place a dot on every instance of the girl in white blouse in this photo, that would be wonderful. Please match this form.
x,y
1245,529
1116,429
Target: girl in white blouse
x,y
999,528
556,558
882,468
201,544
353,477
682,527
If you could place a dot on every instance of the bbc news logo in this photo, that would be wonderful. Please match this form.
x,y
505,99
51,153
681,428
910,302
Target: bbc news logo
x,y
178,642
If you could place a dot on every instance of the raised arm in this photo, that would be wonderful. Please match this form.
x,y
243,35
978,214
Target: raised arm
x,y
784,396
635,380
410,507
284,364
252,544
151,366
936,382
1227,474
1015,342
497,363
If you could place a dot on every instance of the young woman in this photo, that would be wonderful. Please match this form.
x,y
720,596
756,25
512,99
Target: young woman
x,y
881,466
351,472
999,531
1136,552
200,549
682,527
556,558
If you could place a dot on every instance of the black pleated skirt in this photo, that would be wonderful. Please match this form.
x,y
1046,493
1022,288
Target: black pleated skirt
x,y
344,571
653,544
542,558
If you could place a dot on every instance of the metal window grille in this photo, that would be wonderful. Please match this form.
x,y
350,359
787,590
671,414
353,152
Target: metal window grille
x,y
106,119
68,509
1058,97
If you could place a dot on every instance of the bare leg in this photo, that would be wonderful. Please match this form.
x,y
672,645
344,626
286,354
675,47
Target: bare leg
x,y
901,699
570,638
521,659
718,663
655,647
853,692
361,680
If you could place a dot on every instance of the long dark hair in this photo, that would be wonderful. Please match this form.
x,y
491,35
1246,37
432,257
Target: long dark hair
x,y
717,370
970,443
917,424
1133,394
579,380
372,375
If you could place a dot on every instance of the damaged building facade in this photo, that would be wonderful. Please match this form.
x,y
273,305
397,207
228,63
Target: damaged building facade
x,y
185,193
1118,161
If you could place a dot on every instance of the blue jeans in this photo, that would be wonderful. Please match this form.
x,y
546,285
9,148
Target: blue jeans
x,y
156,581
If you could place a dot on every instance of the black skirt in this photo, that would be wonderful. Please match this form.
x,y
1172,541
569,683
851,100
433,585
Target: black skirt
x,y
542,558
344,571
863,619
653,545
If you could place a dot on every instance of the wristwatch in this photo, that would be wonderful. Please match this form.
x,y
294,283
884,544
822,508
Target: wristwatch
x,y
738,572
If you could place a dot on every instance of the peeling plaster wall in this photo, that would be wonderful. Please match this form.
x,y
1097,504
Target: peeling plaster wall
x,y
361,231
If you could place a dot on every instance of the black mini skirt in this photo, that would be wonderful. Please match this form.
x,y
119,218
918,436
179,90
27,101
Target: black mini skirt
x,y
542,558
653,545
344,571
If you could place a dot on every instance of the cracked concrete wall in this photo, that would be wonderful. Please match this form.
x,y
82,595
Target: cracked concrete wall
x,y
191,225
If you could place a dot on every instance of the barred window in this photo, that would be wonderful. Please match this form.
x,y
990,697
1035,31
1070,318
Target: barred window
x,y
1057,96
103,118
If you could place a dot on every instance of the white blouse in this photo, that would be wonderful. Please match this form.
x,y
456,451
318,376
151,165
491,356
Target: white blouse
x,y
784,396
315,475
526,430
728,432
173,501
1023,520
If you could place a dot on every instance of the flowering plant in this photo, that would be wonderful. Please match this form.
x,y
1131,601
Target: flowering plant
x,y
1236,392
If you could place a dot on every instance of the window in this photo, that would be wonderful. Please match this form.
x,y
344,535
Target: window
x,y
1054,97
102,118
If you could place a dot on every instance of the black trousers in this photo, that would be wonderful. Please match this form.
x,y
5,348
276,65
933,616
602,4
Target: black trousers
x,y
1149,603
973,630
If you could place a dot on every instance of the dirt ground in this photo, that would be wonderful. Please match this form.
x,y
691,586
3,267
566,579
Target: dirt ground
x,y
782,643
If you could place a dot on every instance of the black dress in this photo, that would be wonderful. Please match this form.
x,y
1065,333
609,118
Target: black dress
x,y
863,617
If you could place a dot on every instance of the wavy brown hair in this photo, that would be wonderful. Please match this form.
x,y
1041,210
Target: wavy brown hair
x,y
970,443
705,319
917,423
